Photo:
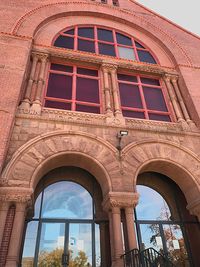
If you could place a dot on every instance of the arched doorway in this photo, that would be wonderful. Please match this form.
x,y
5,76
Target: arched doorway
x,y
65,228
163,222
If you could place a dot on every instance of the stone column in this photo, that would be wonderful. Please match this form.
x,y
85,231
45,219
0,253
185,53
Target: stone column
x,y
25,105
4,207
37,103
181,102
16,236
105,71
132,241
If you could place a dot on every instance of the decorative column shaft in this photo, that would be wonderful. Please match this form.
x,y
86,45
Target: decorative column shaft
x,y
111,236
107,90
130,228
4,206
16,236
115,91
173,98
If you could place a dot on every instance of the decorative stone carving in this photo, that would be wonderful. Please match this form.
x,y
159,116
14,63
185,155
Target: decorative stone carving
x,y
15,194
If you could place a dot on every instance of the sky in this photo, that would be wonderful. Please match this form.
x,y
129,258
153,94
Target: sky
x,y
183,12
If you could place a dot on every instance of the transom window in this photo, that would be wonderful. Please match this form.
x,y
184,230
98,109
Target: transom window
x,y
103,41
142,97
73,88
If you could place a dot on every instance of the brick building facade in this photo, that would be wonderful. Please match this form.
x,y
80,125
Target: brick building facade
x,y
76,77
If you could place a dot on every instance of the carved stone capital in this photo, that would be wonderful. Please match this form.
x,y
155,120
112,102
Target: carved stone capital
x,y
109,67
16,195
40,56
120,200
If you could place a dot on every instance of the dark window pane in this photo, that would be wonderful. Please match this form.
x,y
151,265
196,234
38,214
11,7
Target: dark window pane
x,y
87,72
150,81
65,42
89,109
145,56
122,39
124,77
105,35
84,45
106,49
58,105
158,117
87,90
59,86
138,45
154,99
130,95
71,32
133,114
86,32
61,68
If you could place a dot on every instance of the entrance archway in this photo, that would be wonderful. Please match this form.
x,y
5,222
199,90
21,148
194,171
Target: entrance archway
x,y
163,221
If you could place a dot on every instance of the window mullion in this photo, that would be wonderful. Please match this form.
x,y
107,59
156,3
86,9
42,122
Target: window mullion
x,y
74,81
143,99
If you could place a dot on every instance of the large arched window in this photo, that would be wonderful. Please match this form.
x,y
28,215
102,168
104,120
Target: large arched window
x,y
62,230
103,41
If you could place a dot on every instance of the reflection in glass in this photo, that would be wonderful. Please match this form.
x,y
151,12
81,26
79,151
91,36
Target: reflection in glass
x,y
51,244
29,244
97,245
80,244
125,52
151,236
66,200
37,206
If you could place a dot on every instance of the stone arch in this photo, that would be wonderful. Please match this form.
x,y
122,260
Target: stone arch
x,y
33,20
168,158
62,148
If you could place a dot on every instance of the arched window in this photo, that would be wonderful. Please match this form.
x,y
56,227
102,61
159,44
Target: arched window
x,y
62,230
103,41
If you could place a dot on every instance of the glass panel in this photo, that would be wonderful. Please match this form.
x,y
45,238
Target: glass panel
x,y
97,244
51,244
145,56
65,42
138,45
122,39
128,78
89,109
87,72
125,52
154,99
176,245
37,206
66,200
59,86
80,244
29,244
57,105
150,81
151,237
105,35
87,90
133,114
158,117
71,32
130,95
86,32
84,45
106,49
61,68
152,205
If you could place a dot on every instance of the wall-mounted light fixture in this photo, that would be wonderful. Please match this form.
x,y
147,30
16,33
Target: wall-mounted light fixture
x,y
121,134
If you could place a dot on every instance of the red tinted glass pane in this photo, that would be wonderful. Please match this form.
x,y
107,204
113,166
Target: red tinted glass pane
x,y
89,109
130,95
61,68
122,39
128,78
105,35
86,32
139,45
87,90
133,114
65,42
84,45
71,32
150,81
58,105
154,99
87,72
158,117
106,49
59,86
145,56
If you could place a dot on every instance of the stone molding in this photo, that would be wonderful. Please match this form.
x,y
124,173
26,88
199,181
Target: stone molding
x,y
120,200
16,194
194,208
